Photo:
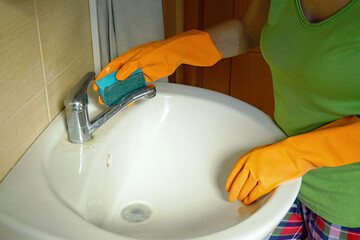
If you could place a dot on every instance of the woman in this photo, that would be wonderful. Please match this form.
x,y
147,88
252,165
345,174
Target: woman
x,y
313,50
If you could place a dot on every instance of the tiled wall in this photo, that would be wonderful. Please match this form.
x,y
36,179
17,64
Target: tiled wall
x,y
45,48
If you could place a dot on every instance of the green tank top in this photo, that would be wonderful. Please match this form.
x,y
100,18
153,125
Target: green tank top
x,y
316,77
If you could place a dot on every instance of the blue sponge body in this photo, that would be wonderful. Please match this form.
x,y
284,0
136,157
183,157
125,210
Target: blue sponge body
x,y
113,92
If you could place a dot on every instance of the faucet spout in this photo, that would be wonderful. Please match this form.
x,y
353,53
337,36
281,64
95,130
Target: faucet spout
x,y
79,126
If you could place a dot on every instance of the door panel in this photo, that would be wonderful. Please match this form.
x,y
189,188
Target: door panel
x,y
251,81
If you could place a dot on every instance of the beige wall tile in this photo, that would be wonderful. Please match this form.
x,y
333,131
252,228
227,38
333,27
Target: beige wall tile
x,y
20,63
23,111
25,91
20,129
44,6
64,32
62,84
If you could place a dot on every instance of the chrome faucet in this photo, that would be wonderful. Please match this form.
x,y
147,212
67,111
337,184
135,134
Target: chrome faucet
x,y
79,126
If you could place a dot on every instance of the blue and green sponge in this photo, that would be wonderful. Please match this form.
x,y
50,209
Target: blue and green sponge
x,y
113,92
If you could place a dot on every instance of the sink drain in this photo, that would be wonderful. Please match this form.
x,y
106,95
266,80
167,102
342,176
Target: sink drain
x,y
136,213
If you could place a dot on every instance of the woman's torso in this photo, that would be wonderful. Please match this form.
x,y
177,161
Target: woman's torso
x,y
316,77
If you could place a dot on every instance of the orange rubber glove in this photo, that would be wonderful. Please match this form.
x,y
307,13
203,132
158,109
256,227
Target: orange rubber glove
x,y
264,168
161,58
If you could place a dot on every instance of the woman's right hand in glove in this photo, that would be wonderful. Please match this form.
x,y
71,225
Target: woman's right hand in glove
x,y
161,58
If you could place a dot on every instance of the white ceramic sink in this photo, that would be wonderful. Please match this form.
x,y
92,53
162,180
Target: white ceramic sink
x,y
156,170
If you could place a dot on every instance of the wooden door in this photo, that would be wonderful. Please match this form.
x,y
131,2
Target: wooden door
x,y
246,77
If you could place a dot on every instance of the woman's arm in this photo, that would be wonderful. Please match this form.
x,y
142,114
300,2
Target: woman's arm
x,y
161,58
263,168
238,36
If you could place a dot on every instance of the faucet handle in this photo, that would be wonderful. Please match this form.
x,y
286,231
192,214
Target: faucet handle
x,y
77,96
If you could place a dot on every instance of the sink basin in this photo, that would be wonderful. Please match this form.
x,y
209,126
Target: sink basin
x,y
156,170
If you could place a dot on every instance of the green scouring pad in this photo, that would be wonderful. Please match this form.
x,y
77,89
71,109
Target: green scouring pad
x,y
113,92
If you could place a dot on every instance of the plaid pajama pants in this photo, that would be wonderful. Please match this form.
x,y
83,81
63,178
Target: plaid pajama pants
x,y
301,223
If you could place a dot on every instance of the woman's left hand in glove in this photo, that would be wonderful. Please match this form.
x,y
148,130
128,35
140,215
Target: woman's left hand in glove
x,y
264,168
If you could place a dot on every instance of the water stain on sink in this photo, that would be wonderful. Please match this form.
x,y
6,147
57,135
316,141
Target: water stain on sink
x,y
136,213
247,211
108,160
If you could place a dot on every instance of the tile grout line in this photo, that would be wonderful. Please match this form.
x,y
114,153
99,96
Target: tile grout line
x,y
42,62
